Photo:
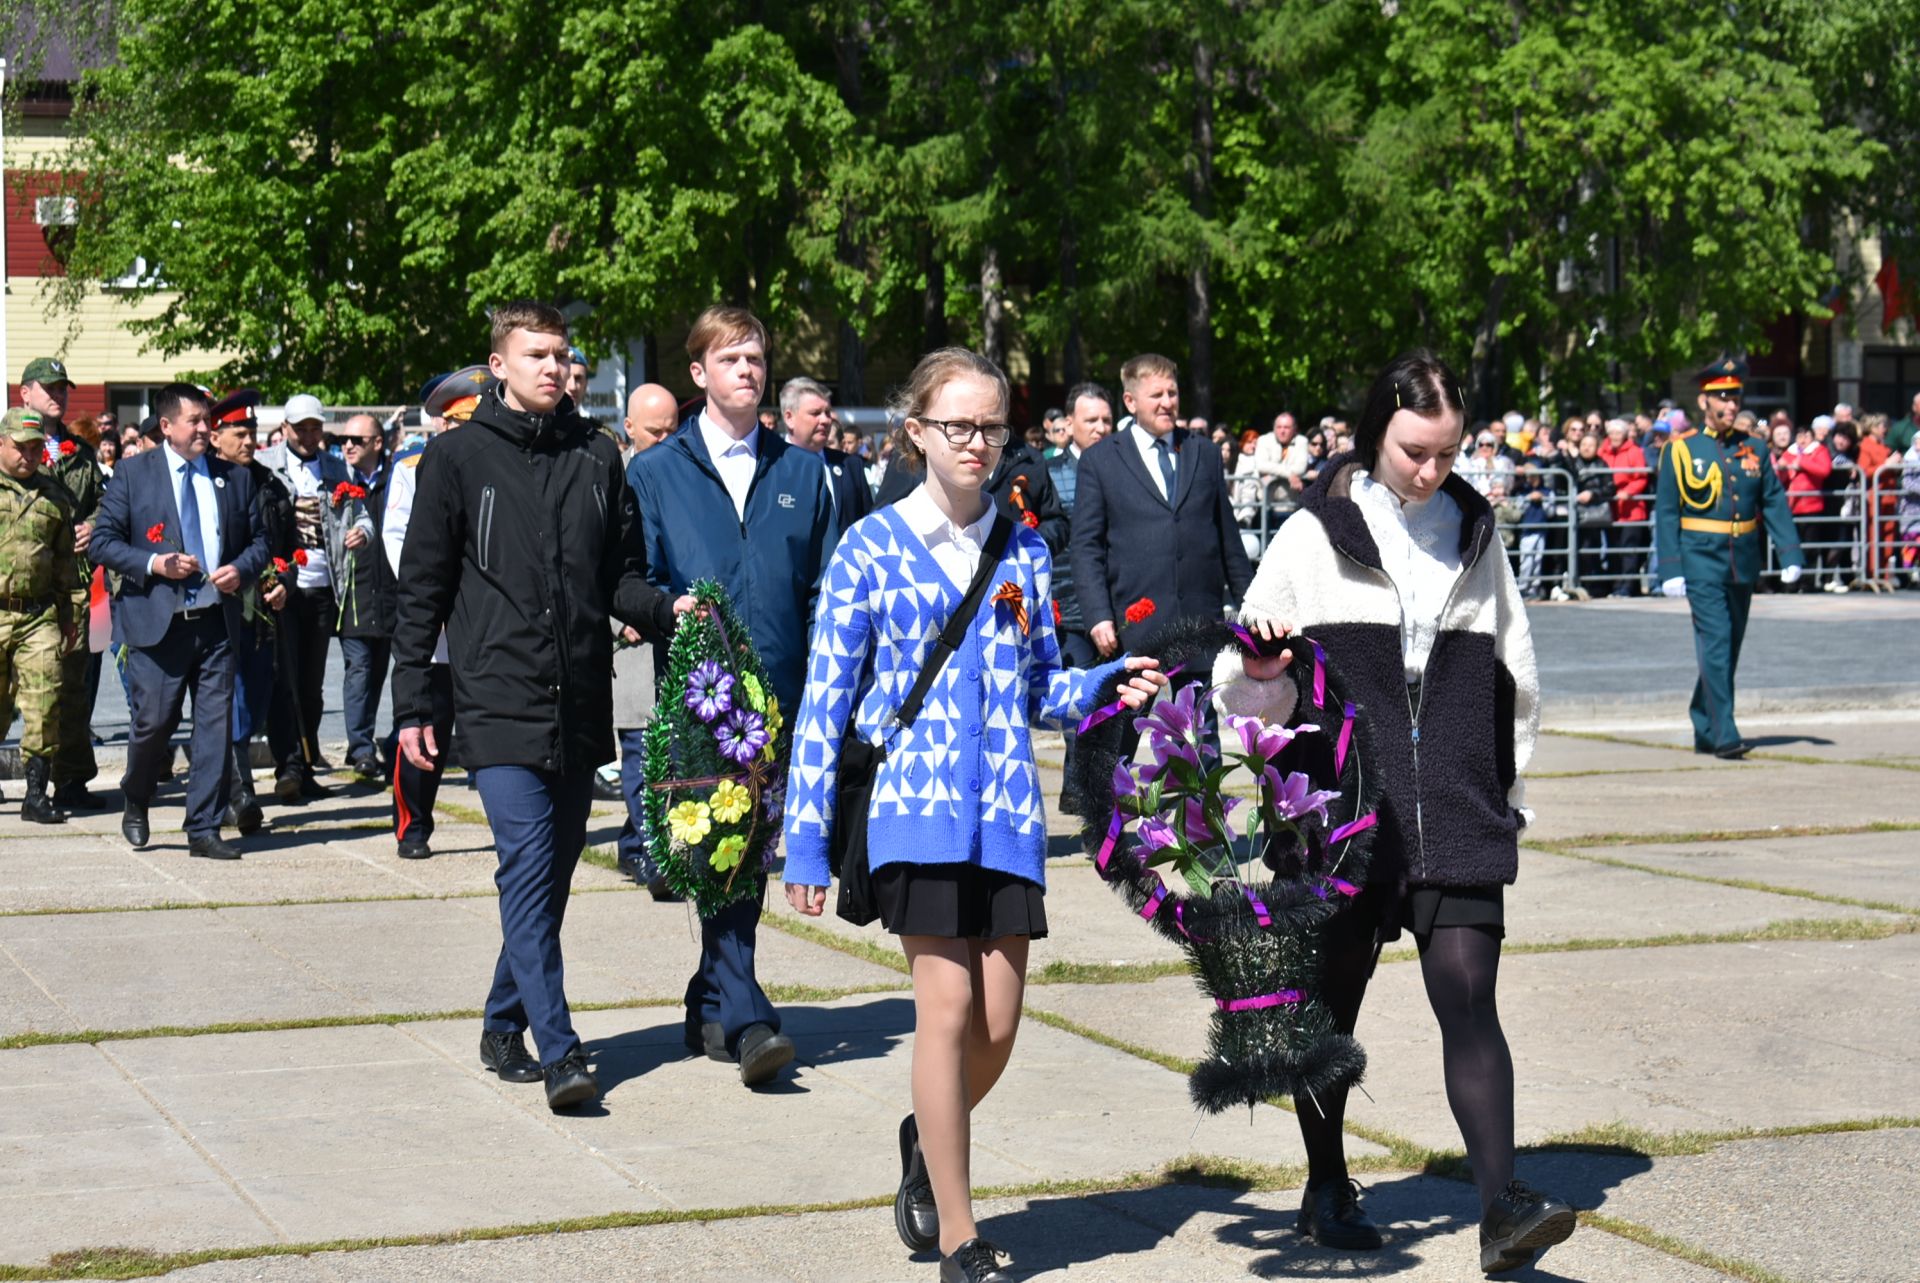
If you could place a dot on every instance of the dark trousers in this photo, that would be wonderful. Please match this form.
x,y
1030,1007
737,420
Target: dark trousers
x,y
366,660
252,683
1719,625
414,790
634,852
1592,565
1629,546
724,990
73,735
1076,651
539,822
306,625
194,656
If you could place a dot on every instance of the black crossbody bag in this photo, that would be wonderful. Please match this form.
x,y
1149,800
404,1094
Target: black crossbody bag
x,y
860,760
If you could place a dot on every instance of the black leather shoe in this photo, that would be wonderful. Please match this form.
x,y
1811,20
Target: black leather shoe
x,y
75,796
313,788
603,791
974,1261
133,826
662,893
286,787
1520,1223
708,1039
506,1055
763,1053
1732,752
914,1214
570,1084
1331,1215
414,849
366,766
212,847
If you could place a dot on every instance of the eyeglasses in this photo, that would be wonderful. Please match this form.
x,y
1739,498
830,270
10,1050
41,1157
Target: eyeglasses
x,y
356,441
960,433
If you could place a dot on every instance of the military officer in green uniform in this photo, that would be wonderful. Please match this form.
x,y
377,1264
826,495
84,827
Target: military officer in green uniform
x,y
1716,489
44,386
38,626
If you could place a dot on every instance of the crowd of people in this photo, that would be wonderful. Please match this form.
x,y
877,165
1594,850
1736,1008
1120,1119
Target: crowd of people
x,y
516,569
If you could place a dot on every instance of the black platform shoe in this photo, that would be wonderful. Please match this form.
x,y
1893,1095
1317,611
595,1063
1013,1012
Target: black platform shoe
x,y
914,1214
1520,1223
974,1261
1331,1215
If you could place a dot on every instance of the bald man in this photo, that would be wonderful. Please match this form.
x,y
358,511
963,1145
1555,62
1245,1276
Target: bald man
x,y
652,415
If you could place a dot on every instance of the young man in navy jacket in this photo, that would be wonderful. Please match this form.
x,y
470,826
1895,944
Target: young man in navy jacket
x,y
725,499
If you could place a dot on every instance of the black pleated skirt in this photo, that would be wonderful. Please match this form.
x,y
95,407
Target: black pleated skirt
x,y
958,901
1420,909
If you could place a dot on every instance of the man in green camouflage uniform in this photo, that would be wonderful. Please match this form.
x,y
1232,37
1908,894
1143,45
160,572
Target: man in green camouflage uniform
x,y
43,388
38,625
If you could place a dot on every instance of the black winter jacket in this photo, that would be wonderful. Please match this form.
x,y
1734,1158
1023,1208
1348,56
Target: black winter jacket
x,y
365,585
524,538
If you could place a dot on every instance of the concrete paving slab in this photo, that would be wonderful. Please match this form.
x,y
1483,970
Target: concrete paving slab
x,y
1560,754
1881,867
1749,1200
1689,1038
1864,735
367,1131
1559,898
1770,793
86,1160
25,1007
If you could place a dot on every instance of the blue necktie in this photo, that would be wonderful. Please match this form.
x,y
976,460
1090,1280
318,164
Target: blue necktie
x,y
191,541
1166,466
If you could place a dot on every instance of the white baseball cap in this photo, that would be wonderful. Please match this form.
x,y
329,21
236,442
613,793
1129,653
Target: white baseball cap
x,y
305,407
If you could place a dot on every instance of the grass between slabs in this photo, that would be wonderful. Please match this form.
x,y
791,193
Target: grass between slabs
x,y
1738,884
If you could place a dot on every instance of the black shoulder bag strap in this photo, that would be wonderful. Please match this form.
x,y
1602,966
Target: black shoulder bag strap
x,y
957,624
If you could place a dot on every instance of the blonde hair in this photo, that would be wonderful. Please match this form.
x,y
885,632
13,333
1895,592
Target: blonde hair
x,y
525,314
723,325
935,370
1145,366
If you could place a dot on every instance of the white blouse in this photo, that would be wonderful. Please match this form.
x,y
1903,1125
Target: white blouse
x,y
1419,547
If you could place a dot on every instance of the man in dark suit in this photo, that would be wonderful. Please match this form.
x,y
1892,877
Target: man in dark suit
x,y
807,412
168,515
1153,531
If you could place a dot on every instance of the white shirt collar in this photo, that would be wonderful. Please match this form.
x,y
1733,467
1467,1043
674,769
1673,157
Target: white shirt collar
x,y
175,460
924,518
720,443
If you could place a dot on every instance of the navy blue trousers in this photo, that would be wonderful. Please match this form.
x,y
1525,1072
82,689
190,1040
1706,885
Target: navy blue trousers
x,y
195,656
724,989
539,822
633,831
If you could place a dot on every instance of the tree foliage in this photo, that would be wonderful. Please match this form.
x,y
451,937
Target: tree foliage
x,y
1565,197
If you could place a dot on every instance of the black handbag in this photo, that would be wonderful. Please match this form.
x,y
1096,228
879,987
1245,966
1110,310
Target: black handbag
x,y
860,759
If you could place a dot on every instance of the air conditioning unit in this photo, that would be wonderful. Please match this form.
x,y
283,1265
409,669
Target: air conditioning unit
x,y
56,211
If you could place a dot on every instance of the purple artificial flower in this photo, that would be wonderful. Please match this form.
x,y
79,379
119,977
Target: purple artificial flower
x,y
1200,830
1175,719
1156,833
1165,753
1295,796
1261,739
709,691
1123,785
742,735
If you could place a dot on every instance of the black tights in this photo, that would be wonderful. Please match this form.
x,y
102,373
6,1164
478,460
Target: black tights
x,y
1460,966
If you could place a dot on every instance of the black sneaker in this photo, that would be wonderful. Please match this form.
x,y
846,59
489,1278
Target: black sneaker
x,y
506,1055
1331,1215
974,1261
1520,1223
570,1083
914,1214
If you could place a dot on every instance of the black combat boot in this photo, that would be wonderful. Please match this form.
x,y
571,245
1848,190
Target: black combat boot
x,y
36,805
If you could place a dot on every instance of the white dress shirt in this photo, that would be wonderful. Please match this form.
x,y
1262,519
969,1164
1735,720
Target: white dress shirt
x,y
1146,443
734,460
956,549
208,502
1419,546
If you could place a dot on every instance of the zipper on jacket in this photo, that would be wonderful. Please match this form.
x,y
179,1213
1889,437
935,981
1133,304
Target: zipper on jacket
x,y
486,527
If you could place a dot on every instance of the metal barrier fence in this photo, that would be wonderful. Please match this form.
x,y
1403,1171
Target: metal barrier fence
x,y
1859,539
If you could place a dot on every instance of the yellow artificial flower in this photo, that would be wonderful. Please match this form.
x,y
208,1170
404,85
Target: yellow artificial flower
x,y
728,852
690,822
756,694
773,719
729,802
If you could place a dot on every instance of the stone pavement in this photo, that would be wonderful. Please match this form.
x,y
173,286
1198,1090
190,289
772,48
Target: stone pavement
x,y
266,1070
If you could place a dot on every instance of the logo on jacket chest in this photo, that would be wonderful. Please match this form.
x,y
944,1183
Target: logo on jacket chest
x,y
785,500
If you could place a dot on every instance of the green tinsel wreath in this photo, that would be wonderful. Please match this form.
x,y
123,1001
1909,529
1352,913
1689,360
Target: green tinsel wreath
x,y
714,757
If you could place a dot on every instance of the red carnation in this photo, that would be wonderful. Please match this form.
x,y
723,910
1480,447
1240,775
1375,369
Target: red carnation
x,y
347,490
280,565
67,448
299,556
1030,519
1140,610
1056,614
157,532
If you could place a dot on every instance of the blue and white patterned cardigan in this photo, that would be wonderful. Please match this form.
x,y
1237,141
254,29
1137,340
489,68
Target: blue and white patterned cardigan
x,y
959,786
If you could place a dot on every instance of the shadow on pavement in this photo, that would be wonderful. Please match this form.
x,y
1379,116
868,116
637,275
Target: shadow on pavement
x,y
825,1036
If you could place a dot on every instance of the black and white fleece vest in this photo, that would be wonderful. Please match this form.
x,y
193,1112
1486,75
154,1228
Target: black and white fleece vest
x,y
1449,759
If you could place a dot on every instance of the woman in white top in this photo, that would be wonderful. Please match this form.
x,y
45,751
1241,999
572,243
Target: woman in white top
x,y
1392,564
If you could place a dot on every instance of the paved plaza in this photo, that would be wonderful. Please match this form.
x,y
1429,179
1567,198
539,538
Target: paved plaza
x,y
267,1070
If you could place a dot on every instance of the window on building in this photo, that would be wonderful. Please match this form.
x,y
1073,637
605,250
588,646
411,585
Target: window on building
x,y
1891,378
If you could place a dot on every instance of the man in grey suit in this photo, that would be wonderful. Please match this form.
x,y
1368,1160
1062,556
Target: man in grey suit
x,y
166,517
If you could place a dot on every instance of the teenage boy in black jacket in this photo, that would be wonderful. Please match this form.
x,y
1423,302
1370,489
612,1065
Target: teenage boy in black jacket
x,y
523,538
